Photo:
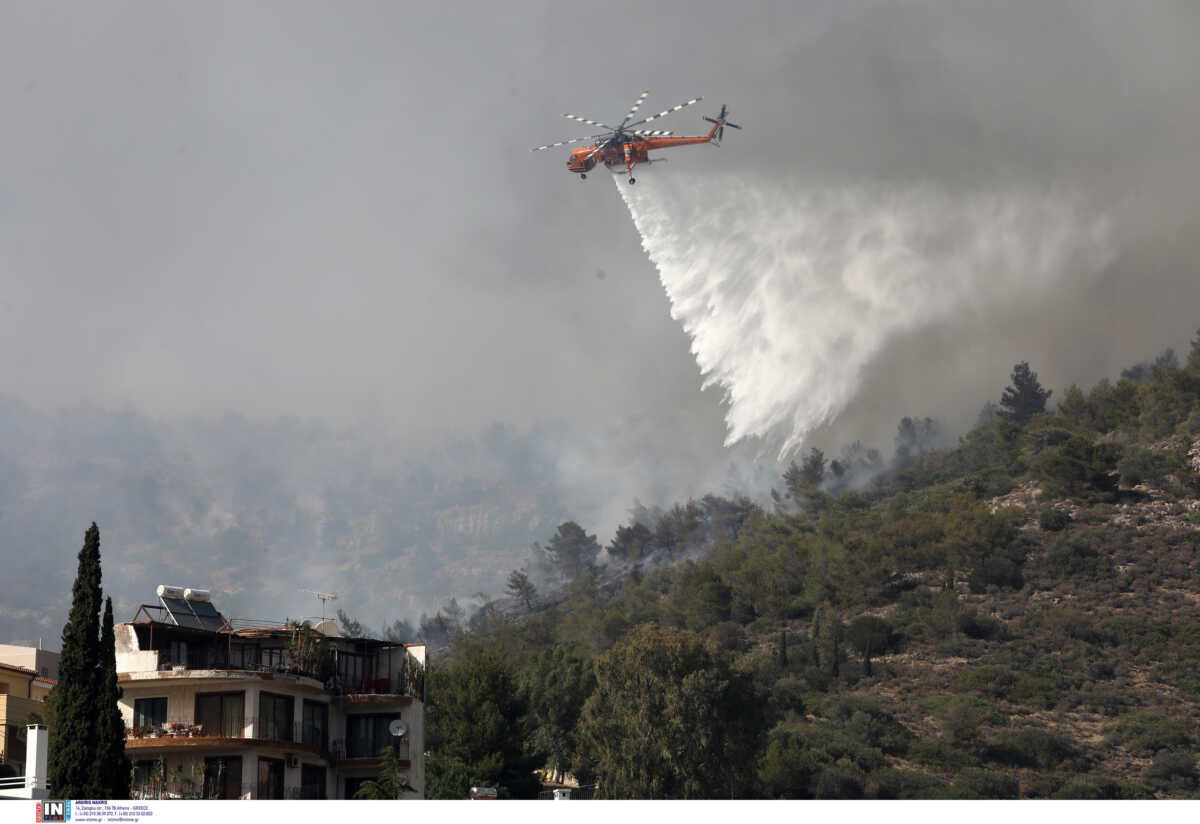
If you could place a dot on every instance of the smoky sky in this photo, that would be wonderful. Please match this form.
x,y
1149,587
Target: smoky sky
x,y
330,211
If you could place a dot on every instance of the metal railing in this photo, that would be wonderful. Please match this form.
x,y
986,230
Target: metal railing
x,y
339,750
307,733
586,793
170,791
396,684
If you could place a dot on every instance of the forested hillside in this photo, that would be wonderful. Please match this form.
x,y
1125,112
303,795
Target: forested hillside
x,y
1016,616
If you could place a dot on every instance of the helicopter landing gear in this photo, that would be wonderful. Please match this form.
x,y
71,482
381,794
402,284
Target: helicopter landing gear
x,y
632,181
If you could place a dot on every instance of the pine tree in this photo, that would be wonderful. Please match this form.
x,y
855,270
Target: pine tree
x,y
572,549
521,588
73,737
111,766
1025,398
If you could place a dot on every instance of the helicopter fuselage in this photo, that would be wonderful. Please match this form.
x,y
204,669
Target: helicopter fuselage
x,y
625,151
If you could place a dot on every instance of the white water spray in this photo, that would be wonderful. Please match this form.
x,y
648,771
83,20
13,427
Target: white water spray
x,y
789,295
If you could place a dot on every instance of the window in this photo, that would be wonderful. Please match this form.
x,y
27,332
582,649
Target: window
x,y
4,688
275,716
199,657
222,714
270,778
368,735
177,653
312,781
315,730
143,775
353,670
243,656
149,712
271,658
223,777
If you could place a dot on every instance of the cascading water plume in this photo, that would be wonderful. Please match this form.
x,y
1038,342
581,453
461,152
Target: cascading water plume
x,y
789,295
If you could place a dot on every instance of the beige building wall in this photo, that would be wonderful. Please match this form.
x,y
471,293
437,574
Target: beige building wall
x,y
13,711
43,662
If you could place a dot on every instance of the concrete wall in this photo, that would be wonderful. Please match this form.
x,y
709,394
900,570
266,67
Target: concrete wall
x,y
31,658
130,656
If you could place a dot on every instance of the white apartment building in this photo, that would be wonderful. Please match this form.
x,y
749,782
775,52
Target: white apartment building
x,y
218,708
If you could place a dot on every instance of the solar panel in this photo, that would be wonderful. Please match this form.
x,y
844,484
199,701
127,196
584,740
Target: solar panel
x,y
208,615
182,613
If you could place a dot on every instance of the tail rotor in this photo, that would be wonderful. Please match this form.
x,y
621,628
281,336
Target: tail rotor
x,y
720,122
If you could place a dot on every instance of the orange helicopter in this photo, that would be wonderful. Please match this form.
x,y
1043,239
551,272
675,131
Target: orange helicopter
x,y
625,146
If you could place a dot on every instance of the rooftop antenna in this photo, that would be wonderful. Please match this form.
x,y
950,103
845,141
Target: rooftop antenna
x,y
324,596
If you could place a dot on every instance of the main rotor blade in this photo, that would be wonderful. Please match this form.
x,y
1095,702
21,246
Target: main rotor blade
x,y
652,132
589,122
637,104
666,112
565,142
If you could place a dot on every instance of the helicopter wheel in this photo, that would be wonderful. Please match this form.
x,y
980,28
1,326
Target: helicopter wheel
x,y
632,181
582,176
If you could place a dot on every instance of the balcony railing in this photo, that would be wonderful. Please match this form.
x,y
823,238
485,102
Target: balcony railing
x,y
167,789
309,734
340,749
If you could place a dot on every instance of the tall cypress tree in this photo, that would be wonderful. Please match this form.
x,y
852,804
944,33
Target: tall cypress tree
x,y
110,769
74,734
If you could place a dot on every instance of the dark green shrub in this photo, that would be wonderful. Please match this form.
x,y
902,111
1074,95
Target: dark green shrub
x,y
1054,520
1143,466
974,625
729,635
904,785
787,695
1105,703
866,722
995,570
1072,556
1066,623
1174,772
1145,733
940,755
975,783
1033,748
840,782
1001,682
1098,788
1078,468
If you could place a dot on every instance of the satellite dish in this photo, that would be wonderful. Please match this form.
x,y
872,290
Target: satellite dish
x,y
328,628
398,728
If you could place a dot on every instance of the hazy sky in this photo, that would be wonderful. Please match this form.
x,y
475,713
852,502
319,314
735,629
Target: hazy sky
x,y
330,210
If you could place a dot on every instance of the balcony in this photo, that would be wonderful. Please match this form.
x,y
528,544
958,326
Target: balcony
x,y
342,750
187,733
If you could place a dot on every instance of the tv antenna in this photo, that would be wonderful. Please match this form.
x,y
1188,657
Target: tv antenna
x,y
324,596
